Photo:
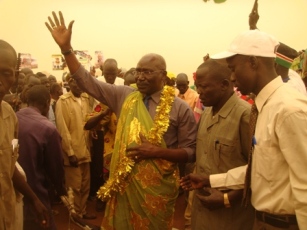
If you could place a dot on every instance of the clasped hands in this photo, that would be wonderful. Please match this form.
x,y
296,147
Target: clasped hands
x,y
210,198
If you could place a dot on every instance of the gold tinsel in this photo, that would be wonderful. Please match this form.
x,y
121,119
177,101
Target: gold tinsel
x,y
118,182
161,120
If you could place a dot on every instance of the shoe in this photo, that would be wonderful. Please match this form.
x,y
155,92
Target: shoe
x,y
89,216
100,205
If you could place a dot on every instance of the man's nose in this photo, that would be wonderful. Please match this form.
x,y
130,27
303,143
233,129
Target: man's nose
x,y
233,77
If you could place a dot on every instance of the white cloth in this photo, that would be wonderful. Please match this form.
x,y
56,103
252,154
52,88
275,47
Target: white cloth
x,y
279,175
118,80
296,81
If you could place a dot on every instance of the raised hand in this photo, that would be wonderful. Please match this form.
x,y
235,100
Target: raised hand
x,y
59,32
254,16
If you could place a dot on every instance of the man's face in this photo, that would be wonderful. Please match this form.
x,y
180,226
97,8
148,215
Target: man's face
x,y
242,76
208,88
57,93
150,78
110,72
7,71
76,91
182,85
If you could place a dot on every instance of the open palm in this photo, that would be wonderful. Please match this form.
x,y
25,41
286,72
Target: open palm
x,y
59,32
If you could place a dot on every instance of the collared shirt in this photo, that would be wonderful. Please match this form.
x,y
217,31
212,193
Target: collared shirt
x,y
190,97
8,157
223,140
279,175
70,120
222,144
40,156
296,82
182,130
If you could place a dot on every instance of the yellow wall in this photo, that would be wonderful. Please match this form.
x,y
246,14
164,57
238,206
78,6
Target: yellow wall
x,y
182,31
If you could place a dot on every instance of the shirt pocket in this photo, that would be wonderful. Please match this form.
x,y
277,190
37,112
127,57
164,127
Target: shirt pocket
x,y
267,163
224,149
7,168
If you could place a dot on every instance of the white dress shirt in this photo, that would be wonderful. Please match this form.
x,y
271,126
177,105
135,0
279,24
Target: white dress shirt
x,y
279,175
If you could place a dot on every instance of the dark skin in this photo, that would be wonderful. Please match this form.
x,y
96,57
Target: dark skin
x,y
254,17
214,90
76,91
182,83
62,36
7,78
212,198
95,120
250,74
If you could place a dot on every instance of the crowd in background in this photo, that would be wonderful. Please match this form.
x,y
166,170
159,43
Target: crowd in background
x,y
118,138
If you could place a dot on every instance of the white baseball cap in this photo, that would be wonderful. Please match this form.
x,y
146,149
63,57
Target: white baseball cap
x,y
251,43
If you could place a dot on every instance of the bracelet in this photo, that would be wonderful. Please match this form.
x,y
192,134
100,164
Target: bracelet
x,y
67,52
226,201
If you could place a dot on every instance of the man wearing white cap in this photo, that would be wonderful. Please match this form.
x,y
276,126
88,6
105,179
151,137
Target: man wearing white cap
x,y
279,154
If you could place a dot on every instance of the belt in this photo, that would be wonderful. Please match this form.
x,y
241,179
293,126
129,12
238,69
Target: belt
x,y
279,221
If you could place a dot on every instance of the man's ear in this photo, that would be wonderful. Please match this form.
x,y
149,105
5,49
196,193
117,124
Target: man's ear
x,y
254,62
225,83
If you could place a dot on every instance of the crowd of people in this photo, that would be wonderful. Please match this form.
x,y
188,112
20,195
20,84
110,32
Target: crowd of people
x,y
232,141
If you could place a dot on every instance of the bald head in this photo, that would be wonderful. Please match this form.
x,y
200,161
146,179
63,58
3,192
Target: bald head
x,y
8,61
213,84
110,70
182,77
182,83
151,75
6,46
157,60
214,69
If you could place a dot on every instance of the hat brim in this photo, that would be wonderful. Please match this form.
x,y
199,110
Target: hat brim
x,y
223,55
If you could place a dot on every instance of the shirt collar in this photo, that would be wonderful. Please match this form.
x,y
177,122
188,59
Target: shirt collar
x,y
4,112
267,91
228,106
156,96
75,98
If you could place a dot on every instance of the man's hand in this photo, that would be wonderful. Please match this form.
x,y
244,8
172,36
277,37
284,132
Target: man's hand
x,y
41,212
73,161
194,181
254,17
143,151
213,198
59,32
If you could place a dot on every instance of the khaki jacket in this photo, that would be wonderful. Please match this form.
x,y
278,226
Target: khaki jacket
x,y
70,120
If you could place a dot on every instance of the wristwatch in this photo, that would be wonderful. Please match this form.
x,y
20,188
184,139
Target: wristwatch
x,y
226,201
67,52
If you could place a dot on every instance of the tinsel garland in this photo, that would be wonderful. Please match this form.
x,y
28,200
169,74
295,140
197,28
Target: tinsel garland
x,y
161,122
